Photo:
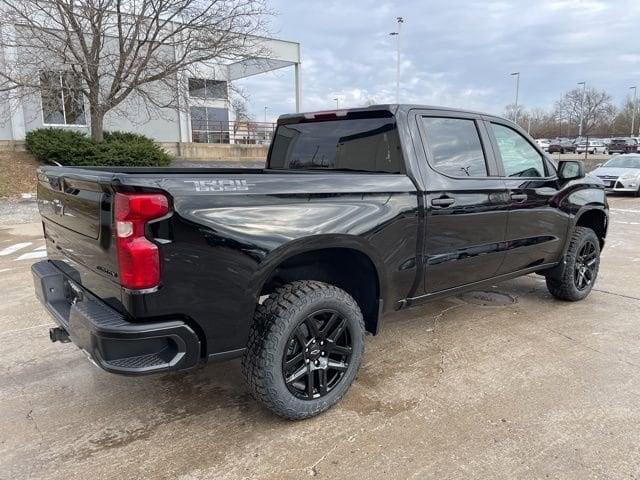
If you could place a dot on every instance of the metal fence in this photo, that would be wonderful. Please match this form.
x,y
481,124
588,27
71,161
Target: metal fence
x,y
244,133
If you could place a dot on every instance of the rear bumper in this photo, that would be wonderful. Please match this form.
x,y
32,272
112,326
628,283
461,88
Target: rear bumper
x,y
108,339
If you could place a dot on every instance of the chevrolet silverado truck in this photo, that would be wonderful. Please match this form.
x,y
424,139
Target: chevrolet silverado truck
x,y
358,213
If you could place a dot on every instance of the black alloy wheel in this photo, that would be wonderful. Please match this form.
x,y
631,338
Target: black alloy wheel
x,y
304,348
585,265
318,354
573,279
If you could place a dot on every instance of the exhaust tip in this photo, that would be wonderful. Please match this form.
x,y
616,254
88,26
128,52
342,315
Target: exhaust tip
x,y
58,334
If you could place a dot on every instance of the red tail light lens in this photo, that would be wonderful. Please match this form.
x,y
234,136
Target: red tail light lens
x,y
138,258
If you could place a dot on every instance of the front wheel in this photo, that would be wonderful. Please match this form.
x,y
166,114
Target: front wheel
x,y
305,347
582,261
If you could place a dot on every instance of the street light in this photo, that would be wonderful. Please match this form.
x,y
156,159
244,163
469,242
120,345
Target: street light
x,y
400,21
633,114
337,100
515,114
584,87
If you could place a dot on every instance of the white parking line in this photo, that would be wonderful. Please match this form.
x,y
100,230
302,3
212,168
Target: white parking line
x,y
30,255
14,248
625,210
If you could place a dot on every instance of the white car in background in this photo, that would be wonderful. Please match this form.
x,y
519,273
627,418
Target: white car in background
x,y
543,143
594,147
621,173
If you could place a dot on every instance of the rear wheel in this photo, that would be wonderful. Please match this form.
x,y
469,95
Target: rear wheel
x,y
305,347
582,261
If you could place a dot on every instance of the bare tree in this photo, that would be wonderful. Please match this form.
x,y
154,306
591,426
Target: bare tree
x,y
110,52
240,109
596,109
623,120
513,112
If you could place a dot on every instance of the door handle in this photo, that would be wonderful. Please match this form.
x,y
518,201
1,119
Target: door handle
x,y
519,197
442,202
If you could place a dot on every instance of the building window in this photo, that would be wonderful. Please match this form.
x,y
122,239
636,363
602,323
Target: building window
x,y
209,125
62,99
207,89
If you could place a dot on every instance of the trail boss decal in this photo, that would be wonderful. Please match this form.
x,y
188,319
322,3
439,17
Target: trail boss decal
x,y
221,185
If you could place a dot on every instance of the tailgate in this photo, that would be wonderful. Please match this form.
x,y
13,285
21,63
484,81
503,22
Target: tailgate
x,y
77,219
71,203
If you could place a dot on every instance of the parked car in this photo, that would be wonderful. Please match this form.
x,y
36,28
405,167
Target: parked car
x,y
594,147
621,174
623,145
358,213
562,146
543,143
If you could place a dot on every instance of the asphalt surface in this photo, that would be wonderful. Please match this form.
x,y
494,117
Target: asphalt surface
x,y
532,388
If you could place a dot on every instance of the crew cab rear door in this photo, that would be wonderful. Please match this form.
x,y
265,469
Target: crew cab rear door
x,y
466,202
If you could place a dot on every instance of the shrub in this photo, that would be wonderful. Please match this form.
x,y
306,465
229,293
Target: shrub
x,y
119,149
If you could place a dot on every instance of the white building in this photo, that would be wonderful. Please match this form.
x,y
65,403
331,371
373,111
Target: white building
x,y
206,119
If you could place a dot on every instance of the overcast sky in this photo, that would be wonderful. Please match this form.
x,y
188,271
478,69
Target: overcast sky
x,y
454,52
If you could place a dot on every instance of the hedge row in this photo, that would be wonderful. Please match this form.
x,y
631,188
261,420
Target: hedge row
x,y
119,149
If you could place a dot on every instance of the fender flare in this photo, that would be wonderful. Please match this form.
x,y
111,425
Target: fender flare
x,y
321,242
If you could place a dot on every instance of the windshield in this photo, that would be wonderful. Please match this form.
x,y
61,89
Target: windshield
x,y
624,161
359,144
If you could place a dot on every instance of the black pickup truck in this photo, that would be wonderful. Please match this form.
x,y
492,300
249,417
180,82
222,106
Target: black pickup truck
x,y
358,213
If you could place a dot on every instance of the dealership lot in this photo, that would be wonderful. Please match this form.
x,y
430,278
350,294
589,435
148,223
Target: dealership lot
x,y
527,387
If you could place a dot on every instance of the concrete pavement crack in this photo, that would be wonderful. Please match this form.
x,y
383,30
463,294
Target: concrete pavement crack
x,y
616,294
591,348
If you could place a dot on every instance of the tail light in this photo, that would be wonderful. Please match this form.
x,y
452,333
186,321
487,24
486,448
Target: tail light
x,y
138,258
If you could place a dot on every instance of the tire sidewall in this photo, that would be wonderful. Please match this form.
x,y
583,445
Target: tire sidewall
x,y
569,273
273,367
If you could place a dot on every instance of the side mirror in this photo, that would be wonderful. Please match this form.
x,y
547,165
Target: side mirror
x,y
570,169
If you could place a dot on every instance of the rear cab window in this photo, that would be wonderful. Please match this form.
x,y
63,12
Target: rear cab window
x,y
364,143
454,146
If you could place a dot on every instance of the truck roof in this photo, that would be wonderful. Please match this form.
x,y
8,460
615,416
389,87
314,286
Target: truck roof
x,y
393,108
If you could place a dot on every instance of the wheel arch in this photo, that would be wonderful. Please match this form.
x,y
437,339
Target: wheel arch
x,y
594,218
348,263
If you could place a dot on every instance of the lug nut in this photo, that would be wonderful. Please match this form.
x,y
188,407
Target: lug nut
x,y
306,360
317,362
322,353
321,342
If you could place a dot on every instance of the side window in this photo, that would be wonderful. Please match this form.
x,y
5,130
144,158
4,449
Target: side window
x,y
519,158
455,146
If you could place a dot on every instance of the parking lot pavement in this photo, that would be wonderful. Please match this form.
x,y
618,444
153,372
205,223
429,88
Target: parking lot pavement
x,y
534,389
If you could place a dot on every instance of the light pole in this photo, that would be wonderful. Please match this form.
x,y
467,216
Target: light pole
x,y
515,113
584,92
337,100
265,114
633,111
400,21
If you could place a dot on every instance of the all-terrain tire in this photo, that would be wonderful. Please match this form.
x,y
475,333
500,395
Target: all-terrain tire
x,y
562,284
274,322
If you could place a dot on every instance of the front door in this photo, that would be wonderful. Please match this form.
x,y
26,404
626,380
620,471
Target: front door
x,y
466,202
536,226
